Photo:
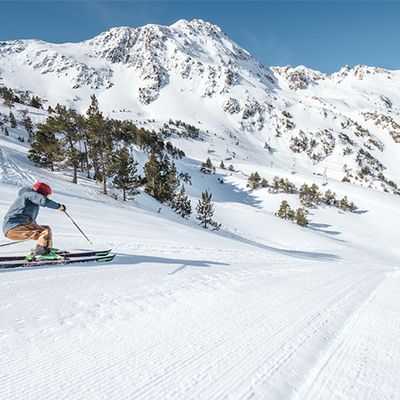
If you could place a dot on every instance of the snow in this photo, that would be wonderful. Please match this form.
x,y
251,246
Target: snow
x,y
263,309
191,69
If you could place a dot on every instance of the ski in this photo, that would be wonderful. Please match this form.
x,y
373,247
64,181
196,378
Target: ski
x,y
62,254
62,261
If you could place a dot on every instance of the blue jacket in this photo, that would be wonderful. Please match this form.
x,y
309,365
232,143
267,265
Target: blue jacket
x,y
26,208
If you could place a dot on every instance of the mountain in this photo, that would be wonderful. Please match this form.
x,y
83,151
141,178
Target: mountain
x,y
345,125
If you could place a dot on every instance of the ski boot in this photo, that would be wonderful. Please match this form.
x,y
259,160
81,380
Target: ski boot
x,y
41,253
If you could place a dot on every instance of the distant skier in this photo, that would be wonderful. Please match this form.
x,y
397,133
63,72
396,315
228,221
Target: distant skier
x,y
20,221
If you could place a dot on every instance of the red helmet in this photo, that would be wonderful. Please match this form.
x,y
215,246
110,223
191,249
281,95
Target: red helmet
x,y
42,188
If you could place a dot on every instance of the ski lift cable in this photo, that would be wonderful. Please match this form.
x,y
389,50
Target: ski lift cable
x,y
328,168
323,162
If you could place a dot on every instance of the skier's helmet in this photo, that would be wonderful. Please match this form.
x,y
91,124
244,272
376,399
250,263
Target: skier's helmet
x,y
42,188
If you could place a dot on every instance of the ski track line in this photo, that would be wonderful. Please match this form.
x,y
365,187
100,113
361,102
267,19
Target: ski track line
x,y
332,306
3,170
335,360
39,275
12,173
141,301
110,368
146,390
206,281
314,321
255,357
86,270
114,369
91,373
6,174
244,310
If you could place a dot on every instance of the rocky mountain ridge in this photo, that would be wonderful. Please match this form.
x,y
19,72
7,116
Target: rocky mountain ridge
x,y
346,123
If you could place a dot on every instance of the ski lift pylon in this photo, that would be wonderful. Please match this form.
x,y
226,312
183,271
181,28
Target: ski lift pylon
x,y
211,149
294,171
325,182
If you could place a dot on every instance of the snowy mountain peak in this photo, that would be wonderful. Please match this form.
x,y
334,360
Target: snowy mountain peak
x,y
192,71
299,77
124,43
197,25
360,72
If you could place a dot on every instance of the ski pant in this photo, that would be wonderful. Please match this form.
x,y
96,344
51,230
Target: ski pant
x,y
32,231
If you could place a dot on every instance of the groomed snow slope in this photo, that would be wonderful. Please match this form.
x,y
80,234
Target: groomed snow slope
x,y
262,310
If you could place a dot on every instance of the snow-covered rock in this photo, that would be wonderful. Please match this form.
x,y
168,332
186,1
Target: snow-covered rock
x,y
193,72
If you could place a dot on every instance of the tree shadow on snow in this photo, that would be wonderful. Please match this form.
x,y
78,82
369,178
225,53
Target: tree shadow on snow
x,y
317,228
232,193
128,260
306,255
360,211
132,259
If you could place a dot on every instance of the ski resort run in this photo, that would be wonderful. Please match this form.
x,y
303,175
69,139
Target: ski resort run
x,y
267,302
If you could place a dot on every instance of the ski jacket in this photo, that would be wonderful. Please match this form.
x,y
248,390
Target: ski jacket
x,y
25,208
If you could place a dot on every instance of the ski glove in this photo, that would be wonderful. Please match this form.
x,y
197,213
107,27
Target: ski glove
x,y
62,207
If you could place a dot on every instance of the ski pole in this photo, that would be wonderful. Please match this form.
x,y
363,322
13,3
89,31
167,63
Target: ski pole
x,y
16,242
80,230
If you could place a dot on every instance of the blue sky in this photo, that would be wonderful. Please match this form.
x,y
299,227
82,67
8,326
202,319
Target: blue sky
x,y
323,35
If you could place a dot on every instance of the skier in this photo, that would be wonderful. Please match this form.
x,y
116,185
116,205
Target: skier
x,y
20,221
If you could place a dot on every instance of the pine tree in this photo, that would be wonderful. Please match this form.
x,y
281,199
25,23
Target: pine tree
x,y
222,165
205,211
285,211
13,121
185,177
6,133
253,180
309,195
275,184
99,142
45,149
207,167
304,196
125,173
301,217
315,193
8,97
346,179
329,197
66,125
231,168
352,206
36,102
27,123
169,180
24,98
161,178
182,204
264,183
152,173
344,204
287,186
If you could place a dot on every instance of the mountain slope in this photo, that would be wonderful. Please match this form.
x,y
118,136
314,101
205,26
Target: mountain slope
x,y
263,308
344,125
